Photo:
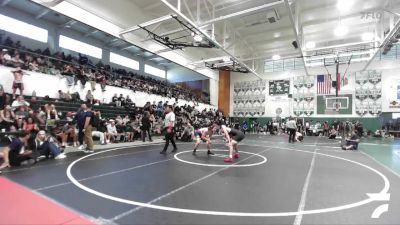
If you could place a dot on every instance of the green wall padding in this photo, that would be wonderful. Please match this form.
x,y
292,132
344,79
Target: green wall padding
x,y
372,124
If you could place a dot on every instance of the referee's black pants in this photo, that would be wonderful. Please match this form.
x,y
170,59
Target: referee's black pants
x,y
292,134
169,137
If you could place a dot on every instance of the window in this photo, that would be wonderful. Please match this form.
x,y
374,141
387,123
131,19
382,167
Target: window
x,y
124,61
24,29
395,115
154,71
78,46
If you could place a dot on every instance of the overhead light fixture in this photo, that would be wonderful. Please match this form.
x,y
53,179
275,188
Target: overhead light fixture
x,y
277,34
341,30
191,66
226,59
197,38
344,5
367,36
276,57
310,44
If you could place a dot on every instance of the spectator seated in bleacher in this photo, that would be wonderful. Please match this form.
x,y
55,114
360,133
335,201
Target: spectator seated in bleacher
x,y
7,118
30,125
67,132
112,135
89,98
5,58
122,100
51,111
20,101
115,101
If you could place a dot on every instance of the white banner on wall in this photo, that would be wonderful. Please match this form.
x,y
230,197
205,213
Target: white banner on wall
x,y
391,94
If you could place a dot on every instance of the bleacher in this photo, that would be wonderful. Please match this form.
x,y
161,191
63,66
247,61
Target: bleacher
x,y
107,110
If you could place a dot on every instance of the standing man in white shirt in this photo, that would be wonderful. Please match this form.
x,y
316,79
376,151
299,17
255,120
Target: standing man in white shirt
x,y
291,127
169,123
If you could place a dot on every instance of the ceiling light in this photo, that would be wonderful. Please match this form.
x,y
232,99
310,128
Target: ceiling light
x,y
276,57
344,5
191,66
367,36
226,59
277,34
310,44
341,30
197,38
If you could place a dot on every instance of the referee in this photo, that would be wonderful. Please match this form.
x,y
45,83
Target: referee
x,y
169,123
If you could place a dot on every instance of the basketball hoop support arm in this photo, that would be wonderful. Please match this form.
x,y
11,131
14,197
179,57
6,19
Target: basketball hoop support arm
x,y
337,72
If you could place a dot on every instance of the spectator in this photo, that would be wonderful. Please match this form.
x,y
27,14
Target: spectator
x,y
5,58
7,118
18,83
146,125
87,129
352,142
16,61
16,150
2,98
332,133
68,131
98,129
112,134
115,100
22,113
80,117
89,98
34,105
4,156
51,111
20,101
43,147
188,133
122,100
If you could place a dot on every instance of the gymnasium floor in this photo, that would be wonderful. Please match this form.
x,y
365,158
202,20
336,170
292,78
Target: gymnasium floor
x,y
273,182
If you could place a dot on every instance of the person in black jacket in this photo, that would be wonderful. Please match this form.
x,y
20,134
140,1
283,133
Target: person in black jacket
x,y
42,146
146,126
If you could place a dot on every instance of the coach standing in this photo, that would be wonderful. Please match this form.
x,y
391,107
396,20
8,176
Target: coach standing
x,y
169,123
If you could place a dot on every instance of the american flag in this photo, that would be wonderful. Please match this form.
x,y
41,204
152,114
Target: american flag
x,y
324,84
